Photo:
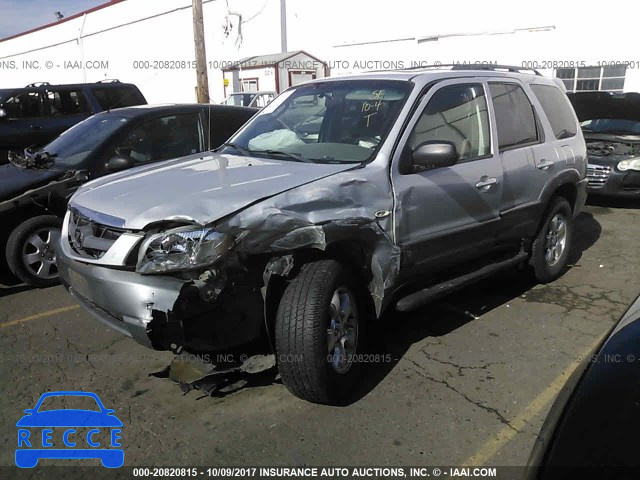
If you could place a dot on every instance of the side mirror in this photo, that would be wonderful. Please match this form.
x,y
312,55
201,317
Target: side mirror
x,y
29,411
430,155
118,163
3,113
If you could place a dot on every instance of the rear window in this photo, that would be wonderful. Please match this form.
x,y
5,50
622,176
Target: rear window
x,y
118,97
515,117
558,110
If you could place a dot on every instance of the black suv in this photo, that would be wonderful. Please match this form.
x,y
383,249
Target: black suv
x,y
38,113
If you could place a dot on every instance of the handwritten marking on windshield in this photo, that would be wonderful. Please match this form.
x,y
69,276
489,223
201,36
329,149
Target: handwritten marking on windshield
x,y
378,95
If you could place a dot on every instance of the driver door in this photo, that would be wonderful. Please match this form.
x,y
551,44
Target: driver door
x,y
153,140
448,215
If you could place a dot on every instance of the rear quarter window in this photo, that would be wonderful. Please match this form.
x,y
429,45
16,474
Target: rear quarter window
x,y
558,110
118,97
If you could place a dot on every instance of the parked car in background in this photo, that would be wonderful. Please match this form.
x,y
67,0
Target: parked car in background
x,y
611,126
592,426
250,99
402,186
38,113
34,189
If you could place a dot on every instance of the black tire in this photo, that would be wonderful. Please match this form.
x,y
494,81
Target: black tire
x,y
17,248
302,326
544,270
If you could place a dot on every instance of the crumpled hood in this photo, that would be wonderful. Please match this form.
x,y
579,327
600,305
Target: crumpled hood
x,y
15,181
195,188
594,105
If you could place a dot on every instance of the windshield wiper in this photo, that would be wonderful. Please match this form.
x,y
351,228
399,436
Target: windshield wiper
x,y
248,152
242,150
294,156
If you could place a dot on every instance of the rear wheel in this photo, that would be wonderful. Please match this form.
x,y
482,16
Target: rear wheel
x,y
551,247
319,332
31,250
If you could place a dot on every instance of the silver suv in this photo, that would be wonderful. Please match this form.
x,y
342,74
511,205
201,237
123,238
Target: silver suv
x,y
340,199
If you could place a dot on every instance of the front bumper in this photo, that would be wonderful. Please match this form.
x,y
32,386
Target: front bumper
x,y
123,300
607,180
163,312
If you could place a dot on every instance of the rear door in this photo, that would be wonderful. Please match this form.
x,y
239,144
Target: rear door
x,y
447,216
64,108
529,161
152,140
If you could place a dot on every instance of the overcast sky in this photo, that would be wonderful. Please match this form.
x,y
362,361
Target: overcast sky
x,y
17,16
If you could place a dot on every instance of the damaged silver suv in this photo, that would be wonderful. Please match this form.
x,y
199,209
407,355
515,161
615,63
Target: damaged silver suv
x,y
343,197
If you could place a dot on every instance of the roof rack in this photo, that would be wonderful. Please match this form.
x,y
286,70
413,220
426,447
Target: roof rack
x,y
38,84
490,66
109,80
475,66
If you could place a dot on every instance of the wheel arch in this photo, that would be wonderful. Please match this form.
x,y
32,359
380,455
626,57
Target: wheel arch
x,y
355,253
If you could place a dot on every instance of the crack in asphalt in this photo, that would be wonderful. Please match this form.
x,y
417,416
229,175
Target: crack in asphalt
x,y
420,371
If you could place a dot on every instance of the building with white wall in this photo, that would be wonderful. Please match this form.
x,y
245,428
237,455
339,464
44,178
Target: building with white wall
x,y
151,43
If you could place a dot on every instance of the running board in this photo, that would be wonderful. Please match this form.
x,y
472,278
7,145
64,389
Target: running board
x,y
418,299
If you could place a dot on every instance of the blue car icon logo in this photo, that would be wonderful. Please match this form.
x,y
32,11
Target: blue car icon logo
x,y
36,429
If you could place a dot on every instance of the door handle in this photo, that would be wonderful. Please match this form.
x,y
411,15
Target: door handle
x,y
486,183
545,165
35,127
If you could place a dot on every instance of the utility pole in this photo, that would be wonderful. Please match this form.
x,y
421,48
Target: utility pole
x,y
283,25
202,88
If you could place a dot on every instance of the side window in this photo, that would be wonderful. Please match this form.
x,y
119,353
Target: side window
x,y
456,114
558,110
162,139
515,117
24,105
66,102
117,97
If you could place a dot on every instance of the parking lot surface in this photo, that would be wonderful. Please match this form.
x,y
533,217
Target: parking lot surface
x,y
468,379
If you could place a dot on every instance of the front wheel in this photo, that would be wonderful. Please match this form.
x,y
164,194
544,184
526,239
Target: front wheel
x,y
319,332
31,250
551,247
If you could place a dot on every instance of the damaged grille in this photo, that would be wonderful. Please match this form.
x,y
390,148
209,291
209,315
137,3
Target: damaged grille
x,y
90,239
597,175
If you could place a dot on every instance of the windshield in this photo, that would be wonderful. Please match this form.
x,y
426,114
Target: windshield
x,y
611,125
74,145
338,121
239,99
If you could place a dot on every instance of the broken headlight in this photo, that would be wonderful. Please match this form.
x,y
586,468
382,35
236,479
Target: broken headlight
x,y
633,164
182,249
